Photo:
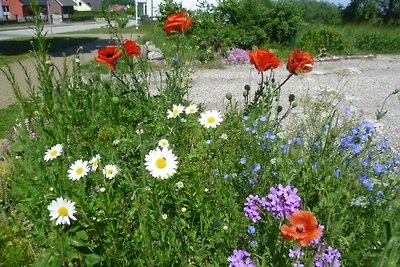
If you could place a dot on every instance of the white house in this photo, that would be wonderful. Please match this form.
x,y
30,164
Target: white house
x,y
87,5
151,6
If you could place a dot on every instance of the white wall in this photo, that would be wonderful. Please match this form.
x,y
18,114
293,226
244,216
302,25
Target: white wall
x,y
188,4
82,7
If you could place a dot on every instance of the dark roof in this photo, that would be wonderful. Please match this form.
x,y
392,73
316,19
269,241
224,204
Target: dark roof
x,y
66,2
28,2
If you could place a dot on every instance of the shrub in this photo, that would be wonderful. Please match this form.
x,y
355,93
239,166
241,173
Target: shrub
x,y
323,38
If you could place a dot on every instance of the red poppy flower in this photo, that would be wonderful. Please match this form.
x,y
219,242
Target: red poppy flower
x,y
300,62
264,60
109,55
132,48
304,228
177,22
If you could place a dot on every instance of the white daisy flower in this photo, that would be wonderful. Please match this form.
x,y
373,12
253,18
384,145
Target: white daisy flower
x,y
62,210
161,163
53,152
94,162
191,109
175,111
110,171
78,169
210,119
163,143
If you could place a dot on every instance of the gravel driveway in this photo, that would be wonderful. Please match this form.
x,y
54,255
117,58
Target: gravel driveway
x,y
364,83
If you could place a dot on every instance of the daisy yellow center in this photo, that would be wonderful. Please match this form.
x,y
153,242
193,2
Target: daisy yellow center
x,y
62,211
109,171
79,170
192,110
164,144
211,120
175,111
53,153
95,162
161,163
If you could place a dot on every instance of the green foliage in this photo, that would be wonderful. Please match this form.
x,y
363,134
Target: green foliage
x,y
317,12
168,7
316,39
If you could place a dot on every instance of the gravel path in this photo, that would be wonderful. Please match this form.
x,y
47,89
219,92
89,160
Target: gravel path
x,y
364,83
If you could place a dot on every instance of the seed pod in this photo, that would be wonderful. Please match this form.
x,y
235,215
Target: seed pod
x,y
292,97
228,96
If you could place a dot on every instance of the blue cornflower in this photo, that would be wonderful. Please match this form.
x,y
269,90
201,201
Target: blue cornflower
x,y
263,119
347,111
355,131
255,123
245,118
251,230
247,129
175,59
315,165
299,160
284,148
299,141
208,142
226,175
270,135
364,163
356,148
325,128
378,168
338,172
243,161
255,168
253,181
380,195
365,181
254,131
253,243
317,145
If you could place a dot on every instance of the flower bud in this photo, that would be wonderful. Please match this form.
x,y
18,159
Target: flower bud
x,y
294,104
245,93
292,97
49,63
228,96
279,109
115,100
334,132
247,87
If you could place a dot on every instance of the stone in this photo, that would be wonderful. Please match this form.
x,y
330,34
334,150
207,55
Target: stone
x,y
155,55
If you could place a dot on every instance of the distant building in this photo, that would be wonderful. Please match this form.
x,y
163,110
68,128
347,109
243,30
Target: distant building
x,y
15,9
87,5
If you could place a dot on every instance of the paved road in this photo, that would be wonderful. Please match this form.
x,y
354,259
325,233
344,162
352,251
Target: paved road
x,y
51,29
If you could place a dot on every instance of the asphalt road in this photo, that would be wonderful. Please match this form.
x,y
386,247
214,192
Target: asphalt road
x,y
50,29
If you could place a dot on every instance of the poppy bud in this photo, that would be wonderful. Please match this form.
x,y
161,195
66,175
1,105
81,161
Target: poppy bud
x,y
247,87
49,63
294,104
334,132
245,93
228,96
115,100
291,97
279,109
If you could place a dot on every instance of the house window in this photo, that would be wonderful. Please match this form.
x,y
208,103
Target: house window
x,y
80,3
6,10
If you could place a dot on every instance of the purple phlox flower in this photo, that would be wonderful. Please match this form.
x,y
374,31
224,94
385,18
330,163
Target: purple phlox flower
x,y
338,172
251,230
330,258
240,258
237,55
34,135
283,201
255,168
252,207
270,135
296,254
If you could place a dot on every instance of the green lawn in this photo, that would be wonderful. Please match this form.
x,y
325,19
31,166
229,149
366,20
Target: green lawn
x,y
20,48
